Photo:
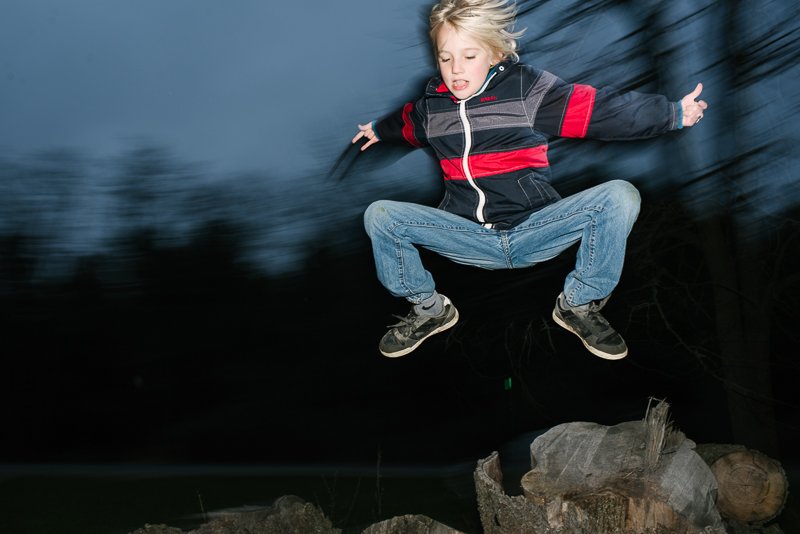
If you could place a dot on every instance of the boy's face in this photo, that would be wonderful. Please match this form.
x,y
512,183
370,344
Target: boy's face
x,y
464,61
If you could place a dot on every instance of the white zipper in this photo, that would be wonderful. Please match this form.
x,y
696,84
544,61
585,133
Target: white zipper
x,y
462,113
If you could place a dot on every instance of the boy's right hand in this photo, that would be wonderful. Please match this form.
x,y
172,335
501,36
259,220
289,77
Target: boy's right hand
x,y
693,109
365,130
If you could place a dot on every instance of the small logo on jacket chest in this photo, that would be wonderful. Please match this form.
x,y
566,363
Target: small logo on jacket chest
x,y
488,98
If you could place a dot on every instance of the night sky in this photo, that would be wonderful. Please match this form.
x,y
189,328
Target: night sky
x,y
185,279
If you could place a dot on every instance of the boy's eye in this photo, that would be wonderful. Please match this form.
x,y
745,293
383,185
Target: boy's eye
x,y
470,57
444,59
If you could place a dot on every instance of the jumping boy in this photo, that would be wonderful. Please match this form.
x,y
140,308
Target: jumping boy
x,y
488,118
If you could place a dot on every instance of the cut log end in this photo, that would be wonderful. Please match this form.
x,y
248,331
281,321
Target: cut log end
x,y
752,487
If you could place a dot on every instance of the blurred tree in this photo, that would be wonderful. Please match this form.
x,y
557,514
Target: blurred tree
x,y
726,169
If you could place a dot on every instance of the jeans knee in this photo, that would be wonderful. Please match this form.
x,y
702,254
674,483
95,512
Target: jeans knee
x,y
625,196
374,214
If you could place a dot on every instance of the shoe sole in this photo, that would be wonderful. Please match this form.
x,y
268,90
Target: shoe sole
x,y
594,350
406,350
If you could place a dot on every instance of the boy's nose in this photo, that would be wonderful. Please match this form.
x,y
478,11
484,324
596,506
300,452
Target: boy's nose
x,y
456,66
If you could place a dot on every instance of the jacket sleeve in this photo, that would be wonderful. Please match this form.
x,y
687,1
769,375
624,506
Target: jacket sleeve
x,y
577,110
405,125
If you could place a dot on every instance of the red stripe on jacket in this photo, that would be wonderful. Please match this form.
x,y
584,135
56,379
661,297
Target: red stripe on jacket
x,y
408,126
481,165
579,111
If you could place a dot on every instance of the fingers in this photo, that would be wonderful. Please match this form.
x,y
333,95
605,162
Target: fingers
x,y
693,109
365,131
694,116
369,144
361,133
691,97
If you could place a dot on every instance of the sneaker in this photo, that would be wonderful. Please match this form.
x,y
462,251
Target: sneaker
x,y
586,322
413,329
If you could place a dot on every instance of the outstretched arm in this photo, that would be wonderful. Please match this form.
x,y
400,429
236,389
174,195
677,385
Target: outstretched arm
x,y
606,113
692,108
366,131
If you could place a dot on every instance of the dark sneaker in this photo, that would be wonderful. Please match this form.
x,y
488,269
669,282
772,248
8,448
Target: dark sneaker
x,y
586,322
413,329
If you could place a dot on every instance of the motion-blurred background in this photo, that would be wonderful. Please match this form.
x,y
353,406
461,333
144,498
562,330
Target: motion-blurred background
x,y
185,280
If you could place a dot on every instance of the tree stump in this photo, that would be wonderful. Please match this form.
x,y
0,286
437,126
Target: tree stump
x,y
501,513
633,478
753,487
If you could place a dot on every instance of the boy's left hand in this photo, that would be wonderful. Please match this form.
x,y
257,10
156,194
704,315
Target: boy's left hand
x,y
365,130
693,109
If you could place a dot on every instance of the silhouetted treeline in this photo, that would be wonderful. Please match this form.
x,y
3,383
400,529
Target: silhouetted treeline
x,y
150,310
182,351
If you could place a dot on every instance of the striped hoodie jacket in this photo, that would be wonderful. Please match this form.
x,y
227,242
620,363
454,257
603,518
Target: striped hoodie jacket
x,y
492,146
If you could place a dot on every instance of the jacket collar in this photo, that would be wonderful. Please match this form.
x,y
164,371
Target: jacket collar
x,y
436,86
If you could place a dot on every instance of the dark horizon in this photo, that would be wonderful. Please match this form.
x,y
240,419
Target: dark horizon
x,y
184,354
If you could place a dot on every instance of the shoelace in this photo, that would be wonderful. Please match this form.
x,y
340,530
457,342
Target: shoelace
x,y
407,324
592,314
597,319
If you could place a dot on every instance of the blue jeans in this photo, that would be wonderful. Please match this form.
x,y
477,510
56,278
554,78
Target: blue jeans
x,y
600,218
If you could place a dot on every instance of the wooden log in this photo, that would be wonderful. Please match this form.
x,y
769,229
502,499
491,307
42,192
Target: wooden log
x,y
501,513
753,487
634,477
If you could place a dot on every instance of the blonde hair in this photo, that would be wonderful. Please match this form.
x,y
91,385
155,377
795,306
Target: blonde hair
x,y
489,21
